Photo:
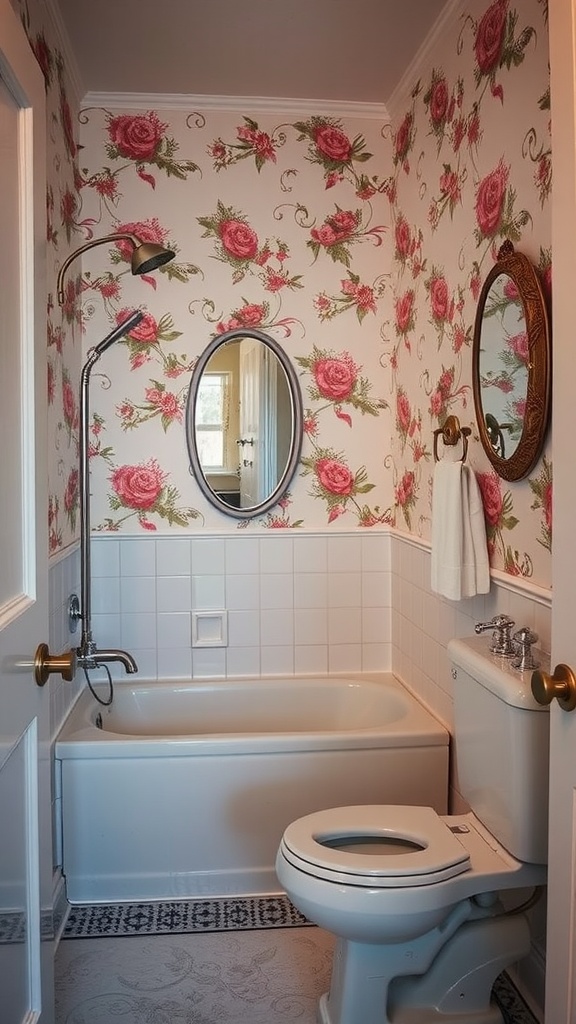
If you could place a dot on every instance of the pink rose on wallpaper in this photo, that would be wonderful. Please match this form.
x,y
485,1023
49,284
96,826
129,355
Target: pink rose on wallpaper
x,y
437,403
473,130
442,307
138,487
252,314
490,37
337,229
547,505
489,484
446,381
439,100
146,331
71,492
405,490
362,295
325,235
166,402
404,307
490,198
335,378
334,476
68,210
519,345
260,142
69,405
137,137
475,283
239,240
511,290
406,424
519,408
403,239
344,223
450,186
403,138
333,143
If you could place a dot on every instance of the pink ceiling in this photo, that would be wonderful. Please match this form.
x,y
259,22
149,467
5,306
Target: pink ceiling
x,y
355,50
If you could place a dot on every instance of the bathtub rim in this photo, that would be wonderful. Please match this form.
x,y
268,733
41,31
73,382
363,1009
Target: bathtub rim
x,y
80,738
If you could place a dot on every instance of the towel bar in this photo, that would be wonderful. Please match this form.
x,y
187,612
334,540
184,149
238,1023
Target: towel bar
x,y
451,433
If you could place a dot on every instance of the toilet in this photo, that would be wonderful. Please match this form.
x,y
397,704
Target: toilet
x,y
414,897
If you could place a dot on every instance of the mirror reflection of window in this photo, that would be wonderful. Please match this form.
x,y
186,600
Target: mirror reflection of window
x,y
213,420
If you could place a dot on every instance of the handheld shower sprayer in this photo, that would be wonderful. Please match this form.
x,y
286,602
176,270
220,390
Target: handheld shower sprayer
x,y
147,256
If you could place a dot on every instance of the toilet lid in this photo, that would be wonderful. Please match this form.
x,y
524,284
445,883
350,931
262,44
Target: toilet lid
x,y
378,845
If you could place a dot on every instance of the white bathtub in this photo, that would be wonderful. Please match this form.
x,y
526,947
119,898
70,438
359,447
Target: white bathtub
x,y
183,790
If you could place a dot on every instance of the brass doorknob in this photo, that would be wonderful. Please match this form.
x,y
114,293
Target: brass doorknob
x,y
45,664
561,684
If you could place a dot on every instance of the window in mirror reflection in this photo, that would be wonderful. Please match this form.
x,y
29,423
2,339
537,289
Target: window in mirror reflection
x,y
213,423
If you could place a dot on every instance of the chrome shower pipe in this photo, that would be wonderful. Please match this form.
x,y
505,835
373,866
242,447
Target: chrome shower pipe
x,y
88,654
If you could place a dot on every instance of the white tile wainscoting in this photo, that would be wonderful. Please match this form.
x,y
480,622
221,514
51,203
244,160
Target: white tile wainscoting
x,y
295,604
303,603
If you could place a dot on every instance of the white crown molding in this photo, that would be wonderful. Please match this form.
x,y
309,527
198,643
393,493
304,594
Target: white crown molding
x,y
255,104
448,16
72,70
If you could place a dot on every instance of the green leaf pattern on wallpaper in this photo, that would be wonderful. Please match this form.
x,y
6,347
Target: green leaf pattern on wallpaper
x,y
362,246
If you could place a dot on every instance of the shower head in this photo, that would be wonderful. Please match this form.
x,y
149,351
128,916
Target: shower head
x,y
146,256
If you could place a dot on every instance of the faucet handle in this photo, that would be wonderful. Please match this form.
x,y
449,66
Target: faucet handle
x,y
524,659
497,622
502,642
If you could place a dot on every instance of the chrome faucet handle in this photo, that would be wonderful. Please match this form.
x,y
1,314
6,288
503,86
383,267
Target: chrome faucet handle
x,y
502,643
525,660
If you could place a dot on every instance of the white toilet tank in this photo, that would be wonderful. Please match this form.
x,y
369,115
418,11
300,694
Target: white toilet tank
x,y
501,740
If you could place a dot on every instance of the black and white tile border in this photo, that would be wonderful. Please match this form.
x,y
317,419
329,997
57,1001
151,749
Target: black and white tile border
x,y
511,1004
228,914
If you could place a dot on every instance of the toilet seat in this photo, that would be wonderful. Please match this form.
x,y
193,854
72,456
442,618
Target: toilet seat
x,y
437,854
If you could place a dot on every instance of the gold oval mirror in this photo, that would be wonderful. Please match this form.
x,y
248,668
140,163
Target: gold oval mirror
x,y
244,422
511,365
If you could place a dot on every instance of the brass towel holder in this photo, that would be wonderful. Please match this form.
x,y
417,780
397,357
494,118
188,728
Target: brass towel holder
x,y
452,432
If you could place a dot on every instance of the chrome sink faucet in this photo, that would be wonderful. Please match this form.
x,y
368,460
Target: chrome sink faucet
x,y
502,642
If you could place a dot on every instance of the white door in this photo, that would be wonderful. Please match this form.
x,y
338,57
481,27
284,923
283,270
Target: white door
x,y
250,353
26,949
561,952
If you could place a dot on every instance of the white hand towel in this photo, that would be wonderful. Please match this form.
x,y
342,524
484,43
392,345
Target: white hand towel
x,y
459,561
446,560
478,532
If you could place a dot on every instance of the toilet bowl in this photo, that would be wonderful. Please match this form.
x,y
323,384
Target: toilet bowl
x,y
388,873
414,897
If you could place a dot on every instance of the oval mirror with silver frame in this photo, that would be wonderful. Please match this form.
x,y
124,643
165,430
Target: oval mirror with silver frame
x,y
244,422
511,365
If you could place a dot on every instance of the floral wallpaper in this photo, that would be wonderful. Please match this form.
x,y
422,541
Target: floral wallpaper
x,y
279,225
471,169
360,245
63,336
